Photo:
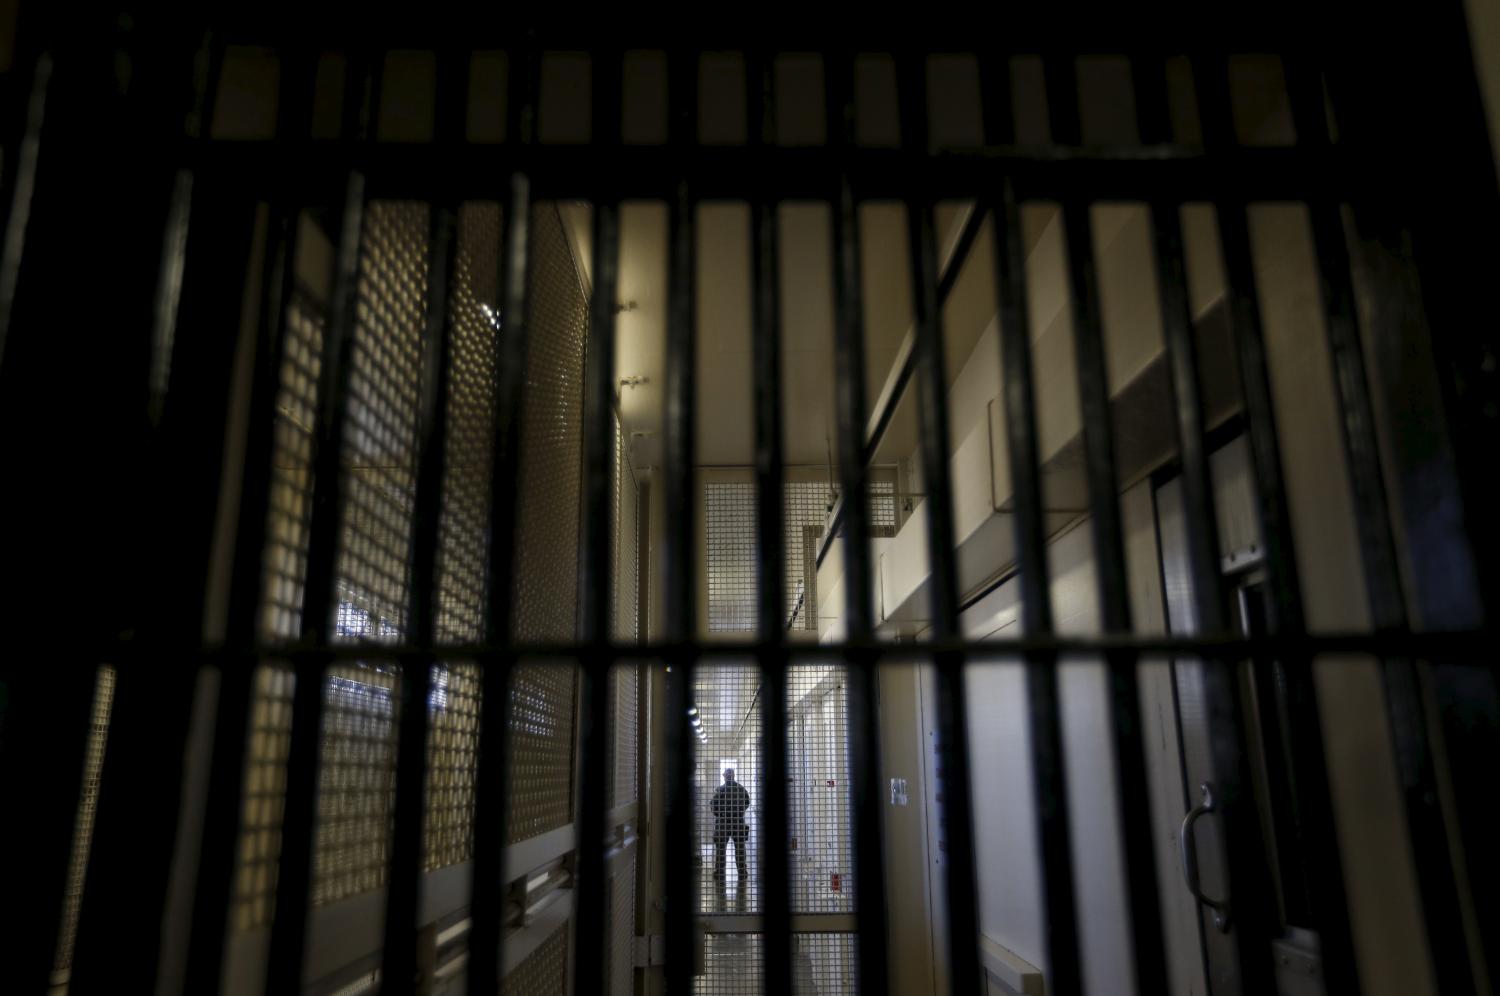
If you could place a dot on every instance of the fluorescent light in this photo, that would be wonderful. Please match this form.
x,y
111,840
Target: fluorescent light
x,y
692,710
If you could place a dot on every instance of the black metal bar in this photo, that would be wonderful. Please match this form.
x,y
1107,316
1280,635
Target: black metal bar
x,y
491,805
1254,908
681,511
1404,705
299,818
20,184
597,582
222,810
932,393
140,809
399,967
849,383
770,484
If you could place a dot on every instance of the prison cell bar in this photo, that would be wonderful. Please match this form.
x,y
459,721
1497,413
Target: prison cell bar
x,y
174,76
299,819
486,888
679,601
596,585
770,455
849,413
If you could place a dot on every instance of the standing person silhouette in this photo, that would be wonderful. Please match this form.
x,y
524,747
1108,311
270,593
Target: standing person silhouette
x,y
729,805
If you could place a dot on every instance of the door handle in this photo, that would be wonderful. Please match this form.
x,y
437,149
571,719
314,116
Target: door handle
x,y
1189,852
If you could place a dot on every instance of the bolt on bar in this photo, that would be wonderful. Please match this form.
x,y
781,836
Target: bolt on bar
x,y
404,881
491,832
770,458
965,975
681,511
299,819
596,585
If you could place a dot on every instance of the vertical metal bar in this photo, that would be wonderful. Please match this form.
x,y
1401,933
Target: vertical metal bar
x,y
932,393
681,510
399,968
1404,706
1254,910
22,184
849,389
128,884
491,830
299,818
770,552
222,811
597,583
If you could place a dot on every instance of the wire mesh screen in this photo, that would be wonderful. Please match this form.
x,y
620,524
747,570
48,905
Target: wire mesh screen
x,y
452,752
290,512
619,951
541,731
730,540
356,781
463,528
822,965
88,801
822,858
263,795
728,787
550,474
544,972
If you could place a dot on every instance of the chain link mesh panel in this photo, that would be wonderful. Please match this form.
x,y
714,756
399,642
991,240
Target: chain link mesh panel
x,y
619,948
263,795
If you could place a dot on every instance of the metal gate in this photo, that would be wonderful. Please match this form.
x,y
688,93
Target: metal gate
x,y
140,534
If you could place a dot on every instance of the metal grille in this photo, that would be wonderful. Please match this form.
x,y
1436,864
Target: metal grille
x,y
729,522
290,497
544,972
546,575
822,848
380,431
468,462
83,833
727,700
822,965
619,951
541,745
452,750
264,792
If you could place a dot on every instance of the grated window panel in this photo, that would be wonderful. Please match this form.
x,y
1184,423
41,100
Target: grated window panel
x,y
731,540
625,743
818,803
264,792
290,497
452,753
463,536
544,972
550,475
541,731
88,802
822,965
468,465
727,697
356,782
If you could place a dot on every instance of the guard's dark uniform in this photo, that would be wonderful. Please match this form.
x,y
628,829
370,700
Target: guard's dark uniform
x,y
729,805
